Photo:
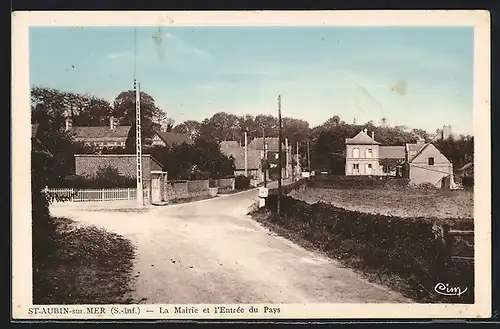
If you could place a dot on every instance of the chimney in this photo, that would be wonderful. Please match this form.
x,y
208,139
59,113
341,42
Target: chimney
x,y
373,135
111,122
69,123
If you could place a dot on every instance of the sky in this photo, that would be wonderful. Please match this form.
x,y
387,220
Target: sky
x,y
420,77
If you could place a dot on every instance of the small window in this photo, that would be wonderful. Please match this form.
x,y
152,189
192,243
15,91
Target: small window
x,y
369,153
355,167
277,156
369,166
430,161
355,153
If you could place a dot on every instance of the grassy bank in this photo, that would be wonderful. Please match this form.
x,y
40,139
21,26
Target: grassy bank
x,y
402,253
84,265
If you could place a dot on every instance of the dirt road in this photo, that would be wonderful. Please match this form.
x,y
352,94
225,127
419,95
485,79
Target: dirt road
x,y
212,252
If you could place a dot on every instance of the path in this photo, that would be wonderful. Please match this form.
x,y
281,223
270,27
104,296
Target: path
x,y
212,252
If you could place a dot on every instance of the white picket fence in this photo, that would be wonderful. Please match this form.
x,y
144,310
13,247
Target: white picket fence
x,y
112,194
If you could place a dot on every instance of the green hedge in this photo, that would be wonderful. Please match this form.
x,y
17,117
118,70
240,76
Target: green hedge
x,y
342,181
410,248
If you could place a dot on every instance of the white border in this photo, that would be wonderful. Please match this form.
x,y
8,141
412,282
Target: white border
x,y
21,221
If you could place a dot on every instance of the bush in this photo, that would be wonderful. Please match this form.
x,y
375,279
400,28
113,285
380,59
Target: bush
x,y
105,177
410,248
241,183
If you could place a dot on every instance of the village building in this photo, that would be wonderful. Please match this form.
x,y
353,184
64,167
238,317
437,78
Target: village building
x,y
100,137
234,151
421,162
168,138
272,153
153,175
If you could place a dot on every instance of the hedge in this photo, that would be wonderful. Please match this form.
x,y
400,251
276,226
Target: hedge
x,y
410,248
342,181
241,182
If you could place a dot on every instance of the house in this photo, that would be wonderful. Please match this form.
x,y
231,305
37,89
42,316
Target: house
x,y
167,138
100,136
272,152
421,162
153,175
234,151
362,155
426,164
36,143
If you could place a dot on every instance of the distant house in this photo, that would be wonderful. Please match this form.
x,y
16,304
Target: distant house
x,y
272,152
36,144
232,150
421,162
100,136
426,164
153,175
167,138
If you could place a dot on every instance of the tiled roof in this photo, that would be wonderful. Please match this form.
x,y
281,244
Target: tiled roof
x,y
111,156
101,133
414,149
171,138
392,152
238,153
361,138
272,144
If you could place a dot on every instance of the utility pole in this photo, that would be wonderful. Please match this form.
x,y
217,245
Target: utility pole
x,y
280,156
308,158
298,162
265,156
246,154
138,139
287,152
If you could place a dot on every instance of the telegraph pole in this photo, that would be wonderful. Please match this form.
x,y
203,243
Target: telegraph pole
x,y
265,156
280,156
308,158
298,162
138,139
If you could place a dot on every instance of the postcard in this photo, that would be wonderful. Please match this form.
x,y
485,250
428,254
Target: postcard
x,y
251,165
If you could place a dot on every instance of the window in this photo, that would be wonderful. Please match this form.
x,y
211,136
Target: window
x,y
369,166
277,156
369,153
355,153
430,161
355,167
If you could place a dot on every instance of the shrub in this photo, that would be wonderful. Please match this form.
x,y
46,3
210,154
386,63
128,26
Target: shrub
x,y
410,248
241,182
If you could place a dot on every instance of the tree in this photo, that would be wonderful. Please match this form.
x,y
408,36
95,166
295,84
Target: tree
x,y
124,109
221,126
189,127
50,107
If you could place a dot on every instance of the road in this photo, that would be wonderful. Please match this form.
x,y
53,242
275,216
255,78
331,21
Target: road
x,y
212,252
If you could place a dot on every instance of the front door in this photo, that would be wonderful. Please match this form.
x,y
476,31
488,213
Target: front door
x,y
156,188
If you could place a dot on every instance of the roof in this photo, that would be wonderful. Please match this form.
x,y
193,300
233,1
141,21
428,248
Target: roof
x,y
392,152
361,138
272,144
224,144
238,153
419,147
469,165
171,138
117,155
34,130
101,133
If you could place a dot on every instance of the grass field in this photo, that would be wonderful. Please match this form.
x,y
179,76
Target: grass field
x,y
395,202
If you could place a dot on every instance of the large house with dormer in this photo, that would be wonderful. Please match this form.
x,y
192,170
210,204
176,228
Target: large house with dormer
x,y
100,137
421,162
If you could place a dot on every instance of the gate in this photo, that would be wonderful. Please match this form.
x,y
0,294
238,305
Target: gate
x,y
157,186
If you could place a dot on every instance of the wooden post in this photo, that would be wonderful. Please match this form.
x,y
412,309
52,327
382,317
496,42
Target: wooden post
x,y
446,239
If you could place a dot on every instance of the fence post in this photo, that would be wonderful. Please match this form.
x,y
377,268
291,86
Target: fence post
x,y
446,239
72,194
102,194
